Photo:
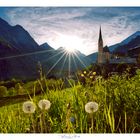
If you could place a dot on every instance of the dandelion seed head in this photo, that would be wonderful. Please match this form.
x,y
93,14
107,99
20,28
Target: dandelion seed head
x,y
91,107
44,104
28,107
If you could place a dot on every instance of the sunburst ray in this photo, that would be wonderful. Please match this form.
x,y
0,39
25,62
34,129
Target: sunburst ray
x,y
80,60
55,64
25,54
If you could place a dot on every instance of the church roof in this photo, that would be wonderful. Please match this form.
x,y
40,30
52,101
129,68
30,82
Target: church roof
x,y
100,34
106,49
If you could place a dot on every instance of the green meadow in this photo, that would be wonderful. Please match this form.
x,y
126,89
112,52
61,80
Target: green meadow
x,y
117,98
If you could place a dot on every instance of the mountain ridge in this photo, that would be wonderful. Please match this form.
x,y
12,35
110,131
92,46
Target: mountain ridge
x,y
24,53
128,43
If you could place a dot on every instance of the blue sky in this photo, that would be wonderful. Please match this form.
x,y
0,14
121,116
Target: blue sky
x,y
76,27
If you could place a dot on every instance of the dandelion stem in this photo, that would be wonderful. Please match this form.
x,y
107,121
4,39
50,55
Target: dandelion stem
x,y
43,123
32,122
92,123
125,123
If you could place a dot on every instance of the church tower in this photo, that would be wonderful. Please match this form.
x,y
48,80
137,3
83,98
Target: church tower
x,y
100,48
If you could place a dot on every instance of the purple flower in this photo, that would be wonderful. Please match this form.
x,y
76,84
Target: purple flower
x,y
72,119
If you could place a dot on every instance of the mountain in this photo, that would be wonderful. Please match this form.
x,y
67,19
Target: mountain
x,y
113,47
128,43
62,62
15,40
17,37
20,54
46,46
93,57
130,38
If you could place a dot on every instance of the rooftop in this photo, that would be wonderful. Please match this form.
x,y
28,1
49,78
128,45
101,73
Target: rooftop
x,y
127,60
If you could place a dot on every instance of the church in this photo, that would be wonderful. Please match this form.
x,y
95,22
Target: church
x,y
103,52
105,56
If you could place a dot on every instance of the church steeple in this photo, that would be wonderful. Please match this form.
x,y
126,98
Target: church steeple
x,y
100,41
100,34
103,52
100,47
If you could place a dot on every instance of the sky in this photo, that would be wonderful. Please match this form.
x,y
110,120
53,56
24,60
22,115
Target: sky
x,y
75,27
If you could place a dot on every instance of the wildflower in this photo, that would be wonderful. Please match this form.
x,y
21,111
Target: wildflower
x,y
72,119
94,73
85,72
68,106
91,107
44,104
28,107
82,75
91,77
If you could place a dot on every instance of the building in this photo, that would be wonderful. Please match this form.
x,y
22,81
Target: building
x,y
134,52
103,52
105,56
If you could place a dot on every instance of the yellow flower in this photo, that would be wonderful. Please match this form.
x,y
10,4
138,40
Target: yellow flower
x,y
85,72
94,73
82,75
91,77
91,107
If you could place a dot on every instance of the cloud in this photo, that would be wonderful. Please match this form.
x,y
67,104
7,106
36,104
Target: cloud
x,y
47,24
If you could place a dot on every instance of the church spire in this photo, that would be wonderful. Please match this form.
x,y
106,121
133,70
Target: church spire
x,y
100,47
100,34
100,41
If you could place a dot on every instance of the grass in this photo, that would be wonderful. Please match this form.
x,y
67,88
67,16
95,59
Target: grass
x,y
118,112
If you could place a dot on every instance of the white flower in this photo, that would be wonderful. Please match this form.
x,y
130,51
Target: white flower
x,y
91,107
28,107
44,104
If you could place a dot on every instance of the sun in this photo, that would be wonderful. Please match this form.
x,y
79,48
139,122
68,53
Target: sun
x,y
70,49
71,43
